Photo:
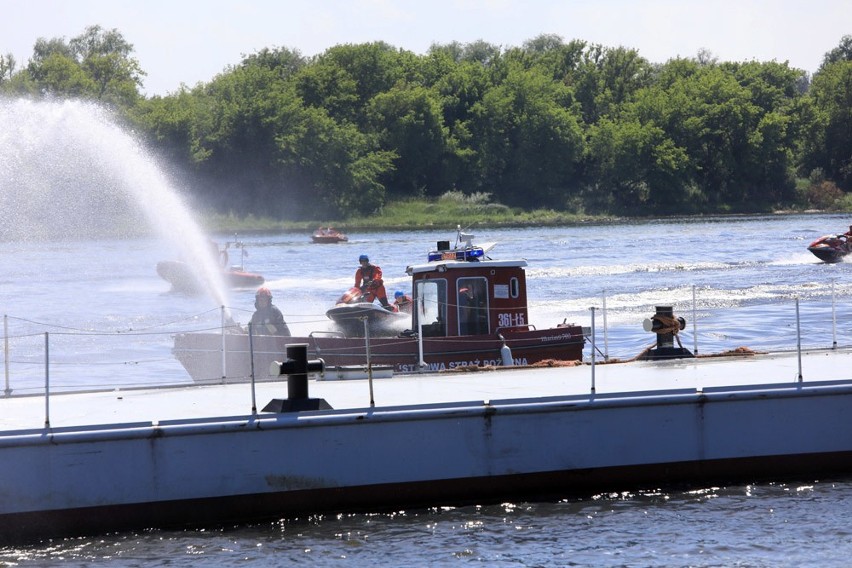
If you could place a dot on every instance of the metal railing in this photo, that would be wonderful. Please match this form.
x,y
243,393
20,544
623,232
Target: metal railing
x,y
41,358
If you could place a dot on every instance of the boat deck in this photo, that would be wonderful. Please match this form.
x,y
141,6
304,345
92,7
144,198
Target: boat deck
x,y
188,402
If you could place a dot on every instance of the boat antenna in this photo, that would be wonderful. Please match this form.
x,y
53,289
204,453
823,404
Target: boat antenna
x,y
243,254
466,238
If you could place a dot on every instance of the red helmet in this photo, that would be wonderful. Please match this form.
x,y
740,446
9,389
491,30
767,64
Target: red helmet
x,y
263,292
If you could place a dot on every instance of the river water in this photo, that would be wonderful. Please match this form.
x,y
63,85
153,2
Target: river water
x,y
108,320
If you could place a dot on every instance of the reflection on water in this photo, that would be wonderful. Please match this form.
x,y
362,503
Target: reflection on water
x,y
763,524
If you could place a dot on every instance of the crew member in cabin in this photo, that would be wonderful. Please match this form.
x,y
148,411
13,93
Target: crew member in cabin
x,y
267,319
368,278
472,317
402,302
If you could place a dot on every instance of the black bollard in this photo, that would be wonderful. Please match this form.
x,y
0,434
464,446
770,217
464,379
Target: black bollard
x,y
296,367
666,325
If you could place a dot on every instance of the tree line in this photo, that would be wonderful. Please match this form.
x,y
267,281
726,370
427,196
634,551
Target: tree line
x,y
570,126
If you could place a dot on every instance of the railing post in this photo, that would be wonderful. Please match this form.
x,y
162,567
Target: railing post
x,y
8,390
798,339
420,312
47,379
833,318
606,337
369,362
694,324
224,345
593,349
251,357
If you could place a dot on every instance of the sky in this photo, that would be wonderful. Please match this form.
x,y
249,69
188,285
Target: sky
x,y
184,42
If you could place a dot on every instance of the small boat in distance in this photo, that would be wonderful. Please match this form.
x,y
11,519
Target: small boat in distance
x,y
328,235
832,248
183,277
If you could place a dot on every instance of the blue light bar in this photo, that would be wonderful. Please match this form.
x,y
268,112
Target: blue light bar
x,y
471,254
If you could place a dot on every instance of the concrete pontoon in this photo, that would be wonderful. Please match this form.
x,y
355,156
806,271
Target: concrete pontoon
x,y
184,455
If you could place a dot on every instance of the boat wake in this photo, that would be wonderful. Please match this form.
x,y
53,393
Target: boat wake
x,y
633,268
626,307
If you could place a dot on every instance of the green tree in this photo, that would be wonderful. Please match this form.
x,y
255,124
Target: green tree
x,y
174,123
636,168
461,90
607,78
235,136
828,136
482,52
548,124
332,167
106,58
843,52
711,118
258,149
97,64
63,77
326,86
408,122
283,61
560,60
345,78
528,140
7,68
774,89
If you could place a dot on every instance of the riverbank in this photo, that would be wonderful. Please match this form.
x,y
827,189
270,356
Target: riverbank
x,y
445,213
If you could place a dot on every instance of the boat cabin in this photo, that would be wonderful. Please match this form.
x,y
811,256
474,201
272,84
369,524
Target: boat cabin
x,y
460,291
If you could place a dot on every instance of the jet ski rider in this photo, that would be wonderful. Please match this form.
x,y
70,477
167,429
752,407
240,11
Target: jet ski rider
x,y
368,278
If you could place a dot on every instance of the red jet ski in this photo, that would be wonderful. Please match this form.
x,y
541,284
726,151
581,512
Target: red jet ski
x,y
831,248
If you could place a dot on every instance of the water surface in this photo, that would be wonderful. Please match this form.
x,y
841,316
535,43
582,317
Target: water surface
x,y
111,319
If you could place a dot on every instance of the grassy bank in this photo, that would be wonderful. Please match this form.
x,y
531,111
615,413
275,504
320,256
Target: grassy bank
x,y
451,209
446,212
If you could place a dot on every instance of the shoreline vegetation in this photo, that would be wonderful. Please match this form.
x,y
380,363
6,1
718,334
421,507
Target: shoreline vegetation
x,y
369,136
447,213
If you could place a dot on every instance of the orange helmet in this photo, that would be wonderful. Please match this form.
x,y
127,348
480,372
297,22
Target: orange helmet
x,y
263,292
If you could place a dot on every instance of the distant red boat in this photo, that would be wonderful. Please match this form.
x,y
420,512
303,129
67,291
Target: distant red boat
x,y
183,277
328,235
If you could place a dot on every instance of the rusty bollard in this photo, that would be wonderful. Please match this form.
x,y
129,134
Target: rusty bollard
x,y
666,326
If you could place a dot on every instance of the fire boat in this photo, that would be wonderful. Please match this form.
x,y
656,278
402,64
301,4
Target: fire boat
x,y
469,311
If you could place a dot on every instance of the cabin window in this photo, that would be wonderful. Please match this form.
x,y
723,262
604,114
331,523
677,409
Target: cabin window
x,y
472,306
431,307
514,287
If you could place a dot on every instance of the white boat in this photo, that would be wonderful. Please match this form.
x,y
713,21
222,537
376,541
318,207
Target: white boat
x,y
352,316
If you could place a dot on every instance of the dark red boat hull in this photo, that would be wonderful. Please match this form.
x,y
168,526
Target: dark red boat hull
x,y
201,353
